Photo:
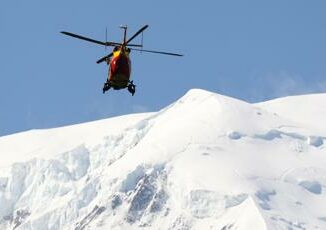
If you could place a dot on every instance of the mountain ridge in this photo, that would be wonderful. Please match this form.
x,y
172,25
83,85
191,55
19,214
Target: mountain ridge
x,y
207,161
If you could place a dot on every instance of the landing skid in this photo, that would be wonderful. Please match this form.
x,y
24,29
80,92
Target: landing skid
x,y
131,87
106,86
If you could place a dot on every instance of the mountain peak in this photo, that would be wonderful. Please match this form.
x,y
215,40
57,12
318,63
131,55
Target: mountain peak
x,y
200,94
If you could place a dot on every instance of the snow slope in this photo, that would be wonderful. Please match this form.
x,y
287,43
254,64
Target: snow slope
x,y
205,162
308,109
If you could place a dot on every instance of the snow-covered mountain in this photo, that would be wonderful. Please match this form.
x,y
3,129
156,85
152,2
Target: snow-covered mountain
x,y
205,162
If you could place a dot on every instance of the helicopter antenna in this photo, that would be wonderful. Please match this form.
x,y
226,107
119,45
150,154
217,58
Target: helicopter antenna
x,y
124,27
106,37
142,39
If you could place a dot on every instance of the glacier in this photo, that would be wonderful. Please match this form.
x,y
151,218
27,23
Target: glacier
x,y
206,161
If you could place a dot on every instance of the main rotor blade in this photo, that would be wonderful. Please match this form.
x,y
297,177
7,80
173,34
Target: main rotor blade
x,y
134,45
137,33
89,39
104,58
158,52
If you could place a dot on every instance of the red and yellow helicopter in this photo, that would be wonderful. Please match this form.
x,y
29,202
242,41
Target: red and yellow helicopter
x,y
119,61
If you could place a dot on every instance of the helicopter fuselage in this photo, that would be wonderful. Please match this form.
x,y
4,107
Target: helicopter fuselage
x,y
120,69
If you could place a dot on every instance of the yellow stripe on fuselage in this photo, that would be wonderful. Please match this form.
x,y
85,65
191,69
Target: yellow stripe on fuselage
x,y
118,52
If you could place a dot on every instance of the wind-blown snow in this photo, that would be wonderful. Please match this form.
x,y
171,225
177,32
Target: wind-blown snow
x,y
205,162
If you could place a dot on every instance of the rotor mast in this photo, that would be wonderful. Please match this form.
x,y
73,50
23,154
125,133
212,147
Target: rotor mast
x,y
124,27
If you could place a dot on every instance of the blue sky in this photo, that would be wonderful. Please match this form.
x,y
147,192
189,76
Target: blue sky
x,y
252,50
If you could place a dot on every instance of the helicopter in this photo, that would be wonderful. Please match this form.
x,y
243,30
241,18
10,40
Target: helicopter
x,y
118,60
